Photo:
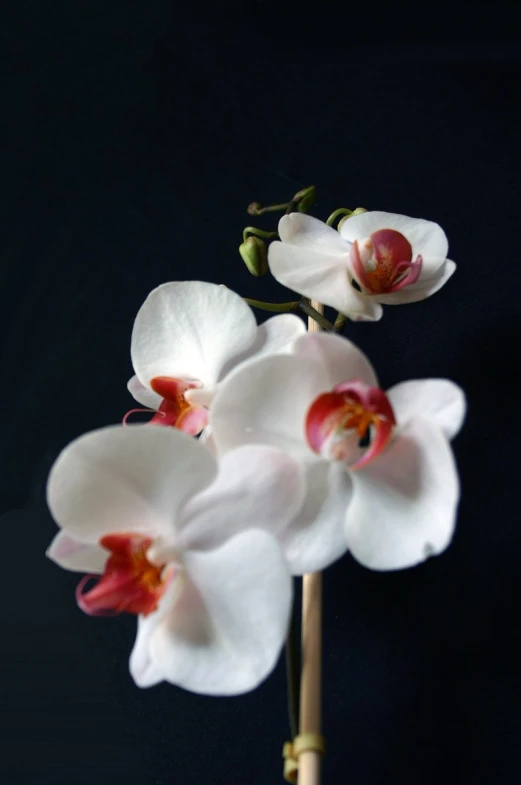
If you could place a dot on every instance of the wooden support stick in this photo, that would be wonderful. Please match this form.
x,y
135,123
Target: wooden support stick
x,y
311,676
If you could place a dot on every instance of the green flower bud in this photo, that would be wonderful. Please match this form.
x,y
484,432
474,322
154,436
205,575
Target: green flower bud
x,y
254,252
306,199
255,208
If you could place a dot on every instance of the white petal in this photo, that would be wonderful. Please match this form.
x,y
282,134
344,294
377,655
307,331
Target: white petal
x,y
426,237
190,330
438,400
372,312
339,357
77,556
126,479
143,669
265,402
316,537
322,277
207,440
308,232
422,288
200,396
257,487
143,395
404,503
224,634
275,336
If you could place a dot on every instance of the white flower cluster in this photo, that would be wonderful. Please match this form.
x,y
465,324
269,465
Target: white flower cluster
x,y
301,457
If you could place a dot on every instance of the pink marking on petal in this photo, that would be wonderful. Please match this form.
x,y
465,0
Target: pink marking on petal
x,y
66,546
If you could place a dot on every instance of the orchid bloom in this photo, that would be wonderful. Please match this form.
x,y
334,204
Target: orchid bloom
x,y
187,336
183,543
381,477
375,259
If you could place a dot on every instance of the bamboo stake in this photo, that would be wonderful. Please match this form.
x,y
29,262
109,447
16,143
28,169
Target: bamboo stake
x,y
311,675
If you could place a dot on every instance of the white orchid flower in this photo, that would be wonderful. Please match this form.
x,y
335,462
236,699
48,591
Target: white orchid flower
x,y
375,259
186,337
381,477
184,544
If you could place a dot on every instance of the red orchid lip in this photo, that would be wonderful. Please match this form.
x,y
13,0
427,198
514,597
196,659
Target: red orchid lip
x,y
171,388
352,408
130,582
175,411
388,265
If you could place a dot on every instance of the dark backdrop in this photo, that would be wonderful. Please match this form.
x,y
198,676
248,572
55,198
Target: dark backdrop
x,y
134,136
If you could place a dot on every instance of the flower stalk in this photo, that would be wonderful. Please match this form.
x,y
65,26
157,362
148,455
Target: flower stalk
x,y
301,201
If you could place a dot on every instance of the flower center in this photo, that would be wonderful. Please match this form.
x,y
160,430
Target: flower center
x,y
382,263
130,583
353,423
175,410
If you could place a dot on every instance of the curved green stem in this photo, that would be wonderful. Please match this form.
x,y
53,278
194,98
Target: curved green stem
x,y
256,208
248,230
334,215
290,307
302,200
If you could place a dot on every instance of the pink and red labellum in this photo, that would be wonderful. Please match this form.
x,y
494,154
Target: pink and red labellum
x,y
382,263
340,421
130,583
175,411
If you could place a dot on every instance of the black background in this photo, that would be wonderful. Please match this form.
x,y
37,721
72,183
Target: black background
x,y
133,137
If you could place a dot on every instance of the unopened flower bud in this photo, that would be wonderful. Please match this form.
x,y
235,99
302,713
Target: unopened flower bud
x,y
306,198
254,253
254,208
